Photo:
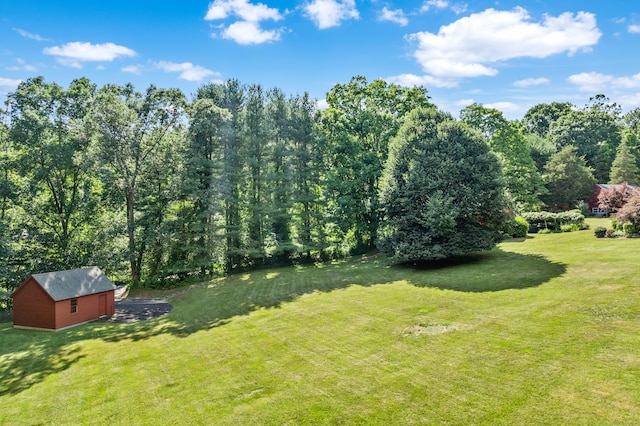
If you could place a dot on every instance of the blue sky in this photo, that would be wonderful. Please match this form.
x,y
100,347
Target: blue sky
x,y
510,55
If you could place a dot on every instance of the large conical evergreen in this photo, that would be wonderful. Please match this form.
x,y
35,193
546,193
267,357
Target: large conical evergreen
x,y
624,167
442,193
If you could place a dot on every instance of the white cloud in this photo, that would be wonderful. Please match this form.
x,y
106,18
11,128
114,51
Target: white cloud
x,y
133,69
27,34
73,54
330,13
187,70
471,45
437,4
396,16
410,80
249,32
634,29
527,82
457,8
629,101
508,108
222,9
247,29
322,104
597,82
22,66
8,84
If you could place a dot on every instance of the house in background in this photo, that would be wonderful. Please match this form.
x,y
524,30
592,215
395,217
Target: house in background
x,y
58,300
594,207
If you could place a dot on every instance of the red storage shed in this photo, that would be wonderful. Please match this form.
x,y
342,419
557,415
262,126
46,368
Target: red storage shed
x,y
57,300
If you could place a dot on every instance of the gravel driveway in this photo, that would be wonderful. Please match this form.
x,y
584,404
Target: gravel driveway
x,y
134,310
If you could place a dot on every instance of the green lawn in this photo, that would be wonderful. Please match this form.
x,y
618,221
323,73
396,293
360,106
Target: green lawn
x,y
539,331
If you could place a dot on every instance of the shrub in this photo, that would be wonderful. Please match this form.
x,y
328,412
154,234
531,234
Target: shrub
x,y
555,221
628,229
610,233
570,217
600,232
517,227
544,231
569,227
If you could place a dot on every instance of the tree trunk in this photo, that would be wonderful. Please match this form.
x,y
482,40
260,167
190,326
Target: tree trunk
x,y
131,227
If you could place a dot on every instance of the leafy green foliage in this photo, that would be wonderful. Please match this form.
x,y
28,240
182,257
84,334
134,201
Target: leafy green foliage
x,y
49,134
541,149
571,227
361,120
628,228
487,120
568,179
522,180
594,131
539,118
600,232
517,227
132,130
441,191
555,221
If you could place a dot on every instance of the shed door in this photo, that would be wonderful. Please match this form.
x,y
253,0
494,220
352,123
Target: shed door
x,y
102,305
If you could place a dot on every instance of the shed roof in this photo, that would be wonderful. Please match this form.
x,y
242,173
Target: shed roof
x,y
63,285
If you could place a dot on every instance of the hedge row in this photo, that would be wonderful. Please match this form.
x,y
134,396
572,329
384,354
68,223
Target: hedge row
x,y
554,221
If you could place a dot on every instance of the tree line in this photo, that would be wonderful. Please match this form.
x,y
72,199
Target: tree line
x,y
152,186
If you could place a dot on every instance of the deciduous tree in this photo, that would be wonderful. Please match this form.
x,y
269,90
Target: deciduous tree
x,y
614,197
48,130
361,119
568,179
131,128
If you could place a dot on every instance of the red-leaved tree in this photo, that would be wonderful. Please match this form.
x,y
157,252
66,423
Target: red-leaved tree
x,y
630,212
616,197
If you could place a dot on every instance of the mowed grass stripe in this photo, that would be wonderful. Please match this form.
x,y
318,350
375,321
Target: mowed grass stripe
x,y
541,331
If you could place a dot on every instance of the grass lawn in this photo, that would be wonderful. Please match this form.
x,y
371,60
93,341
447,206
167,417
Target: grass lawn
x,y
539,331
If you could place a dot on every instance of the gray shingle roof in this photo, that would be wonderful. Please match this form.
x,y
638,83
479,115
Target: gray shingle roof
x,y
63,285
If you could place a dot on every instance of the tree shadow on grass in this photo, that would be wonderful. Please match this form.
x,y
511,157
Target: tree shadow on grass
x,y
484,272
28,357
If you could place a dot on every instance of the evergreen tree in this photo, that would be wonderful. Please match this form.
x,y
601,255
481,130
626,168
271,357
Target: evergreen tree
x,y
280,176
442,192
624,167
201,186
307,169
256,137
231,178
